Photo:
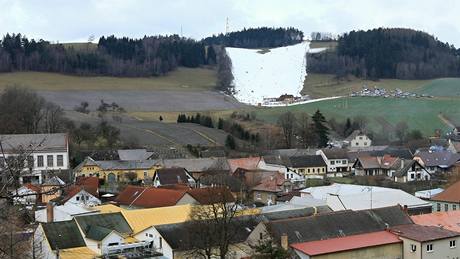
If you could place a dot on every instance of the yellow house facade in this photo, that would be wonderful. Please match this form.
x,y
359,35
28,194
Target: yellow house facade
x,y
118,171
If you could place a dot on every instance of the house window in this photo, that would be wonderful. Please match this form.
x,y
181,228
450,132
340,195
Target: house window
x,y
452,244
413,248
412,176
429,248
365,143
146,234
60,160
261,236
332,162
454,206
344,161
356,143
98,246
258,196
438,206
40,161
313,170
360,138
446,207
150,235
308,170
160,242
77,198
49,160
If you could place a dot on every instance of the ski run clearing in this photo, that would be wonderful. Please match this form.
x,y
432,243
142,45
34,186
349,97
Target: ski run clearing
x,y
268,73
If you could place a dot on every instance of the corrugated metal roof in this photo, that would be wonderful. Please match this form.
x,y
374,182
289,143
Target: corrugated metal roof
x,y
448,219
347,243
37,142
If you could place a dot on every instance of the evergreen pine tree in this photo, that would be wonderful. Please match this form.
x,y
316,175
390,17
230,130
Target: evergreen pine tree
x,y
320,129
230,142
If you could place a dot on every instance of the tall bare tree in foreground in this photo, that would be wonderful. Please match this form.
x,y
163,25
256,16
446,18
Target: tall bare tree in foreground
x,y
212,227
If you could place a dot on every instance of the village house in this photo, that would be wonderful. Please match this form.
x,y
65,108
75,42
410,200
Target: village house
x,y
376,165
258,163
448,200
46,154
173,176
427,241
62,239
199,167
336,160
112,171
28,195
437,161
411,171
357,139
267,191
310,166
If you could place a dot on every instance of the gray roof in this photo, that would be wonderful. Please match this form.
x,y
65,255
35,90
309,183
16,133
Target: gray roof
x,y
55,142
134,154
290,152
294,213
307,161
335,153
126,165
182,237
338,224
198,164
63,234
438,158
170,176
98,226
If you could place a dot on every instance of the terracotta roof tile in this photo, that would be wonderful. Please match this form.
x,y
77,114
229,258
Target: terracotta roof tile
x,y
32,187
451,194
347,243
249,163
206,196
449,219
149,197
271,184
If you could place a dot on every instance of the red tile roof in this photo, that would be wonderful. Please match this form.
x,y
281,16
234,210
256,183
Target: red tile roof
x,y
271,183
32,187
451,194
423,233
88,181
249,163
347,243
210,195
449,220
149,197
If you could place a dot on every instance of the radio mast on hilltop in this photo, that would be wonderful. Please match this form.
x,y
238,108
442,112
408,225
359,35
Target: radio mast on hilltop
x,y
227,27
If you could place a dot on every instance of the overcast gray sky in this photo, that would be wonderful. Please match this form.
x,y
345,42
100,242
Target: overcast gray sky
x,y
75,20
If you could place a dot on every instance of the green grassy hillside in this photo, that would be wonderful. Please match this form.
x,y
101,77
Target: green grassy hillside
x,y
381,113
442,87
182,79
325,85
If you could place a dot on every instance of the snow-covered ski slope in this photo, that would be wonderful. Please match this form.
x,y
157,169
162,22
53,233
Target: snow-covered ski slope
x,y
272,74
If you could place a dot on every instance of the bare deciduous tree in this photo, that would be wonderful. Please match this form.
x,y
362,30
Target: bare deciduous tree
x,y
287,122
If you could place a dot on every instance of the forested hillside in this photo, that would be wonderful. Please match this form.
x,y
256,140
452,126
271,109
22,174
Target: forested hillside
x,y
263,37
149,56
389,53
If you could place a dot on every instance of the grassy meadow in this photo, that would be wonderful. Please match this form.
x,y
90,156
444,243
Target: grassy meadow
x,y
183,79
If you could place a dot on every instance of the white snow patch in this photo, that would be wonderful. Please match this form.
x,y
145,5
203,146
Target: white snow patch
x,y
303,102
272,74
316,50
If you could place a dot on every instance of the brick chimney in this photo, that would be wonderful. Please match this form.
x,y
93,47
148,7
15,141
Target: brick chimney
x,y
49,212
284,241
